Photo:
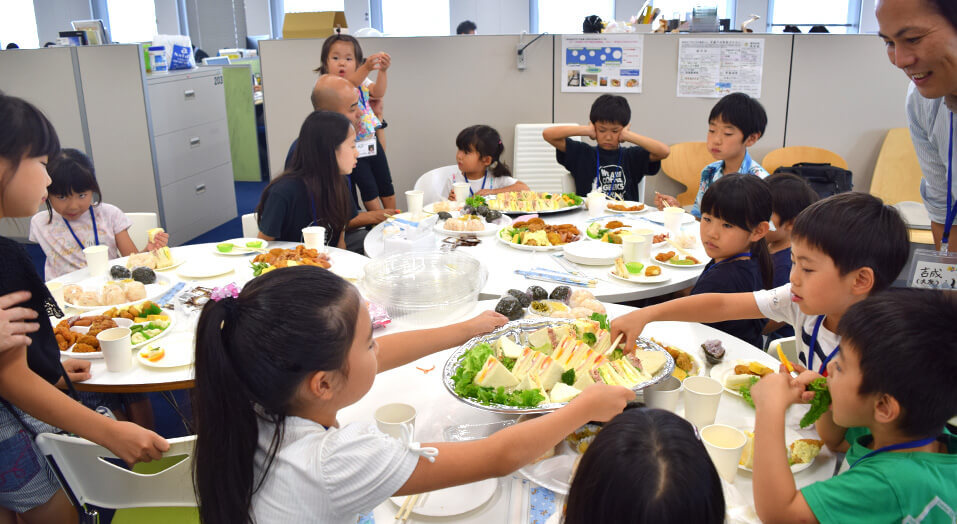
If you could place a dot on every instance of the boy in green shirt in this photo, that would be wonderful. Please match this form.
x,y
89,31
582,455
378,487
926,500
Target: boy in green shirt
x,y
892,383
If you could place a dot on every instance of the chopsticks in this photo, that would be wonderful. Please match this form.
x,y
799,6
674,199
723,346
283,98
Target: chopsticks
x,y
406,509
680,249
401,220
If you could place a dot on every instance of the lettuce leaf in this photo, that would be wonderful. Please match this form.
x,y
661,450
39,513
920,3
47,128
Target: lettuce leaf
x,y
475,201
746,391
820,402
602,320
470,363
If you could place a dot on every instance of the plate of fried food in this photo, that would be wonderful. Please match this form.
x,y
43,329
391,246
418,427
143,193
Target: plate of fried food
x,y
740,374
638,273
801,451
277,258
673,259
686,364
534,234
76,336
625,206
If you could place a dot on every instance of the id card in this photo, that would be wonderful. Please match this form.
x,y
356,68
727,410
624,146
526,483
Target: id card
x,y
366,147
933,270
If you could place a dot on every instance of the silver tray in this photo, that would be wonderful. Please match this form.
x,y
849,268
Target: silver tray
x,y
518,331
546,212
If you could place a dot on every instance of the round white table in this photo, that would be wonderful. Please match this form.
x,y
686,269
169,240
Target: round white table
x,y
502,260
143,379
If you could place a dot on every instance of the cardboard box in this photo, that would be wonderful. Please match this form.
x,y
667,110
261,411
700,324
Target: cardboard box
x,y
313,25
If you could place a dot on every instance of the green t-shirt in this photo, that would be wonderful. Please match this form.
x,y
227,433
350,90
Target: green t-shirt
x,y
889,487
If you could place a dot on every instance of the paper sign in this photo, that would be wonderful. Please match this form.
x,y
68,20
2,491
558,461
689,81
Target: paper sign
x,y
602,63
714,67
934,270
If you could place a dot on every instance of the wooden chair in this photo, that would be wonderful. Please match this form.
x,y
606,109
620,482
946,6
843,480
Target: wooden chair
x,y
897,176
788,156
684,165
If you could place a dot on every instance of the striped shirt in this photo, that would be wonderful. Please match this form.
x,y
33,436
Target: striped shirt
x,y
929,121
715,170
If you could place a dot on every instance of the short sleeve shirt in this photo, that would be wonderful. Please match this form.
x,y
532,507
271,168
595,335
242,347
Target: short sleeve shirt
x,y
782,275
776,304
288,209
63,253
616,173
715,170
733,277
368,122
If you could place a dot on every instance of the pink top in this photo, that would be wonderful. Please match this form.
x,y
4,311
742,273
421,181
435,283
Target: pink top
x,y
63,253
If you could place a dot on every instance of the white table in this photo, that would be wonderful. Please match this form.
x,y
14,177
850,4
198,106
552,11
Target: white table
x,y
437,409
140,378
502,260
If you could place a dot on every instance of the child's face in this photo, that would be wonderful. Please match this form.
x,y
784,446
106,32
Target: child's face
x,y
347,154
472,162
361,363
341,59
723,239
817,286
608,134
848,407
726,141
72,206
25,189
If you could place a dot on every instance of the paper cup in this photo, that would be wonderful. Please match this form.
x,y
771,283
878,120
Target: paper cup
x,y
461,191
56,289
702,395
663,395
97,259
314,237
413,199
724,445
117,349
396,420
672,218
635,248
596,202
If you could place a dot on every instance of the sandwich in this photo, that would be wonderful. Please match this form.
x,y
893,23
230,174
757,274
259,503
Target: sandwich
x,y
494,374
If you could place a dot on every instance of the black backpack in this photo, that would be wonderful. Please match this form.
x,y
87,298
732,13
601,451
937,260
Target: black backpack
x,y
825,179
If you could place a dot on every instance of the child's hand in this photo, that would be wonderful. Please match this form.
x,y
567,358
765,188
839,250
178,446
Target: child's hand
x,y
134,444
776,391
629,326
381,61
622,136
602,402
484,322
13,329
159,241
77,370
452,195
805,377
590,131
663,201
485,192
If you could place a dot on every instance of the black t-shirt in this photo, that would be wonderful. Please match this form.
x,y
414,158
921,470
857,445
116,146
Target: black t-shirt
x,y
288,209
736,276
370,179
619,171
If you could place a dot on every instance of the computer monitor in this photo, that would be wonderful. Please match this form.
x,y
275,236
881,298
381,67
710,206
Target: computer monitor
x,y
95,32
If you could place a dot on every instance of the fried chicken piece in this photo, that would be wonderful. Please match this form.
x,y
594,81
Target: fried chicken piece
x,y
84,348
682,359
554,239
664,257
742,369
61,343
88,340
614,224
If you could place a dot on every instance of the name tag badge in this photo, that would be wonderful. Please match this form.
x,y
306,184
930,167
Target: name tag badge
x,y
931,269
366,148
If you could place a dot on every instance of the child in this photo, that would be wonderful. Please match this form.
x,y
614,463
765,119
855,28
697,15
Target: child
x,y
614,170
892,383
268,389
479,155
646,465
844,248
736,122
77,218
27,375
734,220
341,55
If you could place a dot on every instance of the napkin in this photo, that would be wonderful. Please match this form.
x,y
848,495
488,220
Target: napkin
x,y
737,508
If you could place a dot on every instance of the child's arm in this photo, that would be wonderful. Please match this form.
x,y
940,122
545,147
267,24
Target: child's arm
x,y
126,246
776,498
656,150
513,447
401,348
706,307
556,135
383,61
517,186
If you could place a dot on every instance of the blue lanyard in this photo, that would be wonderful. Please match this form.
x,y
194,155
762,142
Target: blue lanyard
x,y
951,208
598,166
96,234
469,182
729,259
810,350
902,445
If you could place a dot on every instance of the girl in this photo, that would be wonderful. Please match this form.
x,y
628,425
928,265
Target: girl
x,y
268,387
313,190
734,220
479,163
77,218
646,465
28,486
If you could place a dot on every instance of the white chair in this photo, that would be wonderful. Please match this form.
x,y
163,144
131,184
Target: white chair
x,y
250,225
433,183
142,222
788,346
533,161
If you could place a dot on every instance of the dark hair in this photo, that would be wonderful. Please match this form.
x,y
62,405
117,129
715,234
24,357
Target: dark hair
x,y
327,46
12,45
465,27
790,194
741,111
314,163
70,172
947,9
856,230
907,333
199,55
249,363
486,141
743,200
592,24
610,108
646,465
25,133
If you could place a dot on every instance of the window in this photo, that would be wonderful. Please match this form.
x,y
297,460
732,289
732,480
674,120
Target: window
x,y
19,24
426,18
132,20
676,9
805,13
566,16
308,6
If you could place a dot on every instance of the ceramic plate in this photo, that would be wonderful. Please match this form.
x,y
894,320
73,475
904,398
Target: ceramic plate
x,y
204,268
592,253
490,227
453,206
641,279
153,291
659,216
703,258
725,369
644,207
453,501
239,249
179,348
789,437
177,261
523,247
126,323
555,472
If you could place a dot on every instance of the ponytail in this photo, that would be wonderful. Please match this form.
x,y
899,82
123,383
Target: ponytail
x,y
761,253
486,141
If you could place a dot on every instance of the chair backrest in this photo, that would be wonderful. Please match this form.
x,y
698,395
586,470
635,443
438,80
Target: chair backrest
x,y
142,222
684,165
432,183
788,156
100,483
788,346
533,160
897,171
250,225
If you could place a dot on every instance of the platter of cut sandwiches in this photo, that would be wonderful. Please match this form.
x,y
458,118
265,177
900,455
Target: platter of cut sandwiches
x,y
537,366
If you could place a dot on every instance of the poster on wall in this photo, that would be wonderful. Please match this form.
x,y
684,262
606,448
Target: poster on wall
x,y
609,63
714,67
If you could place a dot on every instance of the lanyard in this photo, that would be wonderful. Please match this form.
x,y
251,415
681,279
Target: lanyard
x,y
893,447
469,182
951,208
810,350
96,234
598,166
729,259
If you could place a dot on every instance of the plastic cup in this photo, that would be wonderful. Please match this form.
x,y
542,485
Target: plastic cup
x,y
461,191
413,199
635,248
117,349
702,395
663,395
97,259
396,420
314,237
724,445
672,219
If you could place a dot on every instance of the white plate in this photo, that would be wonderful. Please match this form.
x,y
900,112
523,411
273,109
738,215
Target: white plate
x,y
99,354
592,253
703,258
180,351
555,472
789,436
725,369
430,208
642,279
697,365
490,227
240,248
153,291
644,209
453,501
659,216
205,268
523,247
177,261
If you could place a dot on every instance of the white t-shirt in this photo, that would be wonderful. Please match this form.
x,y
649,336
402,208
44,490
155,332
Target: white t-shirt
x,y
328,475
488,182
776,304
63,252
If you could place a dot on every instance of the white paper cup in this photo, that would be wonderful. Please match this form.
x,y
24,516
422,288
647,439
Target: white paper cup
x,y
97,259
672,219
596,202
461,191
56,289
314,237
635,248
663,395
117,349
724,445
702,395
396,420
413,199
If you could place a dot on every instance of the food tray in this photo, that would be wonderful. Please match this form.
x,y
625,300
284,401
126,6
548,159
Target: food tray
x,y
545,212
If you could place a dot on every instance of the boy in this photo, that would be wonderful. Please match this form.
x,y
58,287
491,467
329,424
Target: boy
x,y
736,122
614,170
844,248
892,382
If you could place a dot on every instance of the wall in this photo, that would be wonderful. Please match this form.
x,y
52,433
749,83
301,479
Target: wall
x,y
493,17
257,17
54,16
216,24
868,19
745,8
167,17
